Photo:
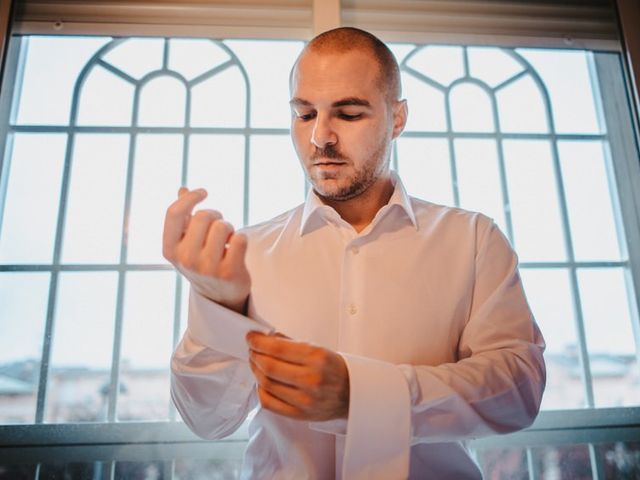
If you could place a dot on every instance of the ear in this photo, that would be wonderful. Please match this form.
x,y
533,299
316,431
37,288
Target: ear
x,y
400,113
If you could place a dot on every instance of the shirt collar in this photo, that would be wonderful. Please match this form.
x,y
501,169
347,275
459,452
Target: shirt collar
x,y
313,207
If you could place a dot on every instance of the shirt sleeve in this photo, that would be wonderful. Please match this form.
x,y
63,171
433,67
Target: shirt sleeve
x,y
212,385
495,387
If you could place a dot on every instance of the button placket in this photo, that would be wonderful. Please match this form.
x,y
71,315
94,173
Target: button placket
x,y
351,296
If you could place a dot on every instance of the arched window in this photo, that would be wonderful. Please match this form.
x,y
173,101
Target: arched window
x,y
101,131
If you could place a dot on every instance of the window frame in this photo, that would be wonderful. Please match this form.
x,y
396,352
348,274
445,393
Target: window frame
x,y
166,441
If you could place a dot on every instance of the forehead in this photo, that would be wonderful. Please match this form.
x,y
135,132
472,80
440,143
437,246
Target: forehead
x,y
329,76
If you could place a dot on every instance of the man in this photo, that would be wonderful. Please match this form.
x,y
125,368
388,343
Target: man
x,y
423,303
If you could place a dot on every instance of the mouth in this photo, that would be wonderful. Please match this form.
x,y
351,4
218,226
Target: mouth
x,y
328,163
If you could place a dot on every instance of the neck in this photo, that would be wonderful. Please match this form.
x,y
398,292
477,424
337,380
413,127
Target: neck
x,y
360,210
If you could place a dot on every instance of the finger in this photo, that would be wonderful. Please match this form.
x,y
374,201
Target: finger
x,y
175,219
276,405
279,347
236,251
199,226
182,191
217,238
283,372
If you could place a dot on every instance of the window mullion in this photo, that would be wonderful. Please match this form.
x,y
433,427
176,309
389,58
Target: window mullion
x,y
114,385
10,87
625,174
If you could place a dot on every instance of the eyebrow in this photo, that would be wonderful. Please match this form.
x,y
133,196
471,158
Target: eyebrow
x,y
340,103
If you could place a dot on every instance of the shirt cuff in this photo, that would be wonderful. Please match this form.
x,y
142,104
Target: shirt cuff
x,y
220,328
378,436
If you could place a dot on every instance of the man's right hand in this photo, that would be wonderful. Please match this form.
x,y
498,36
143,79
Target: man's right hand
x,y
206,250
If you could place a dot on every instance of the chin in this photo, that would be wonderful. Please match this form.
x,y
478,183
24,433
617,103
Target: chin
x,y
339,192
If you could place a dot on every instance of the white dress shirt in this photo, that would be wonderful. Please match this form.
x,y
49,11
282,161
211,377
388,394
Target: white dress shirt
x,y
426,307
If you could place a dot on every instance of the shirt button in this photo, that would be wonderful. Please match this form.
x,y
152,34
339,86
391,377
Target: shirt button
x,y
355,250
352,309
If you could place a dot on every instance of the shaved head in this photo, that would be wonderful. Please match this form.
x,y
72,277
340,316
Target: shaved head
x,y
348,39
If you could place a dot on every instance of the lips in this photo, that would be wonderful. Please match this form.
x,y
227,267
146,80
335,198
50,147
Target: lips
x,y
322,164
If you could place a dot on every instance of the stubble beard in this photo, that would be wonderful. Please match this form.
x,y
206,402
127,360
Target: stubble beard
x,y
358,183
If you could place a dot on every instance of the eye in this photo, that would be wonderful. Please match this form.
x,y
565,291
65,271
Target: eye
x,y
349,117
305,117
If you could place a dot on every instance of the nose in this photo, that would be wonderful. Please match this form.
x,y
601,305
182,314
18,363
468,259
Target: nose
x,y
323,133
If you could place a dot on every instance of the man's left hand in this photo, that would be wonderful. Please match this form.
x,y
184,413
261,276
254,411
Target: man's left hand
x,y
297,379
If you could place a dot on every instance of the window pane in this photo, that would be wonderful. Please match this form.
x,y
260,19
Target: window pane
x,y
216,162
156,180
220,100
147,338
425,169
470,109
610,337
586,182
566,77
478,178
31,203
566,461
51,69
227,469
93,230
191,57
620,460
426,105
550,298
82,347
162,103
492,65
533,197
444,64
105,99
72,471
401,50
24,299
276,178
504,463
13,471
268,64
522,95
137,57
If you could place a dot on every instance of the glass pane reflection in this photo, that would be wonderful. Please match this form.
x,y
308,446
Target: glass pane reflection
x,y
504,463
619,460
564,461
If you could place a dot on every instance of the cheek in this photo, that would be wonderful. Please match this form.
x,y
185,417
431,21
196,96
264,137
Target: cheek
x,y
299,137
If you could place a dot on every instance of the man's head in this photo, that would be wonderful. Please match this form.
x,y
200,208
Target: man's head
x,y
345,90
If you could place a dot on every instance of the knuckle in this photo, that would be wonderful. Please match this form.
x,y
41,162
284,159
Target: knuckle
x,y
174,210
267,367
306,401
267,384
189,261
262,395
222,227
316,380
313,383
168,253
202,216
239,239
319,356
